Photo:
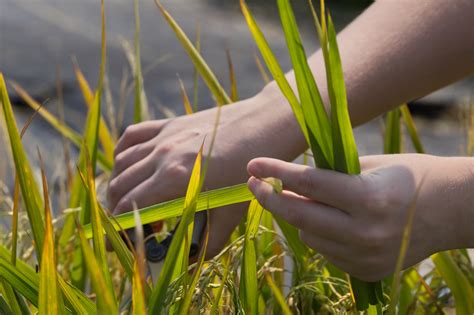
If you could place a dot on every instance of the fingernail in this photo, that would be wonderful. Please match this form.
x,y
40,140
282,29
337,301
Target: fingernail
x,y
253,183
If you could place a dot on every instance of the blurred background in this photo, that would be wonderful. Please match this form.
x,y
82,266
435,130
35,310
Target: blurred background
x,y
39,38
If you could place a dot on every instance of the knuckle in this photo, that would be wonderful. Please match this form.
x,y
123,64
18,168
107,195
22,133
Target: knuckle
x,y
176,171
113,188
163,149
124,205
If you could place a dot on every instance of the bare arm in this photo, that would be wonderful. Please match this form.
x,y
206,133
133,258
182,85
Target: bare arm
x,y
394,52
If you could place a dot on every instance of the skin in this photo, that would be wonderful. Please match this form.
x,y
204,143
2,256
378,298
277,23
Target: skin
x,y
390,55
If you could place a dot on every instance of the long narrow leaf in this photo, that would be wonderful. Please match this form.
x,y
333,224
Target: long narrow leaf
x,y
315,115
178,248
248,280
393,134
50,299
104,133
206,73
207,200
274,68
141,103
29,188
63,129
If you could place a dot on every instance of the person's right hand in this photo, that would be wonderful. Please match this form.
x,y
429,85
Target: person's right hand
x,y
154,159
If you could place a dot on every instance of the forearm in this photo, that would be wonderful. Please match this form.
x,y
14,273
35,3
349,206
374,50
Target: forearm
x,y
456,200
396,51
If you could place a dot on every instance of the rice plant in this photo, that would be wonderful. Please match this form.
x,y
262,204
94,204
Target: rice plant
x,y
58,264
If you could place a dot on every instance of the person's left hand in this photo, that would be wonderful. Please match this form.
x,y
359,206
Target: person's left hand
x,y
357,221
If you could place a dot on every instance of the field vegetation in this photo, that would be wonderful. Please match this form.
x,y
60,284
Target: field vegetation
x,y
54,261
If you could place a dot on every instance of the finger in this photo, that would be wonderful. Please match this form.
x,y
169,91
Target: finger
x,y
130,156
143,195
129,179
301,212
332,188
139,133
326,247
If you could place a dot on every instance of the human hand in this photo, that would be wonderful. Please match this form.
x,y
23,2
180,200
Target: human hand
x,y
357,221
154,160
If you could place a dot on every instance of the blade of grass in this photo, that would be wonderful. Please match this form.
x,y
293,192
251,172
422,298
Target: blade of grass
x,y
248,279
5,308
345,150
97,229
206,73
187,104
89,148
207,200
138,295
185,306
278,295
171,265
25,279
29,188
217,300
105,300
316,118
105,136
411,128
141,103
395,290
393,136
196,72
12,304
63,129
50,299
274,68
261,69
234,95
456,281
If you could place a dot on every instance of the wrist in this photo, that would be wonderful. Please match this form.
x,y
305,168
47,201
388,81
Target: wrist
x,y
457,175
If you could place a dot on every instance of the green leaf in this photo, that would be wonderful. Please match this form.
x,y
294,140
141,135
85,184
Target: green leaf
x,y
24,278
74,137
315,115
278,295
50,299
207,200
346,158
456,281
141,103
206,73
184,308
179,247
98,230
29,188
393,134
249,280
411,128
105,299
274,68
105,136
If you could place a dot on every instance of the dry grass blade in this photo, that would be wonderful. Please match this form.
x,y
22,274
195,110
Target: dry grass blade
x,y
206,73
